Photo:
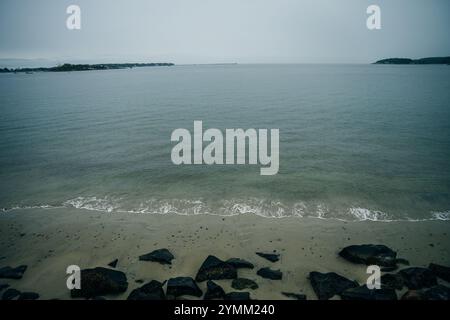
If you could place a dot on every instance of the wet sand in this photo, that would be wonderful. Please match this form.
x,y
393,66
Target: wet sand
x,y
49,240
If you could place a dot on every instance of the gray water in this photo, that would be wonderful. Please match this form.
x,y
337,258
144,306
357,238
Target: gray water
x,y
356,141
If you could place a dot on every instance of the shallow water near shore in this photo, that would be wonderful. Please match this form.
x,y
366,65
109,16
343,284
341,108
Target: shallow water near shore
x,y
357,142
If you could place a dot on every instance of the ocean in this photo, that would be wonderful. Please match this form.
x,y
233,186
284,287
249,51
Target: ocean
x,y
357,142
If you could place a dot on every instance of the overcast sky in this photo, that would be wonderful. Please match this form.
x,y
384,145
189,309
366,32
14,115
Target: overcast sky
x,y
216,31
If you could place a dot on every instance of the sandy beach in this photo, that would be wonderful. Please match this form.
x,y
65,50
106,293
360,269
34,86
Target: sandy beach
x,y
49,240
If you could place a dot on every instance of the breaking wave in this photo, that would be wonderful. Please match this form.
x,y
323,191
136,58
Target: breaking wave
x,y
253,206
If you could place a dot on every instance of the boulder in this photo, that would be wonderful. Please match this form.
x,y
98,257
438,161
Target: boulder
x,y
442,272
370,254
392,281
3,286
237,296
240,263
418,278
272,257
364,293
28,296
181,286
327,285
297,296
12,273
243,283
215,269
438,292
100,281
162,256
268,273
10,294
213,291
150,291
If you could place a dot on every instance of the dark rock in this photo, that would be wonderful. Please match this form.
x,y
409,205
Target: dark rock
x,y
213,291
162,256
237,296
389,269
364,293
181,286
442,272
402,261
418,278
113,263
100,281
270,274
3,286
12,273
297,296
240,263
243,283
370,254
28,296
10,294
413,295
272,257
437,293
150,291
392,281
326,285
215,269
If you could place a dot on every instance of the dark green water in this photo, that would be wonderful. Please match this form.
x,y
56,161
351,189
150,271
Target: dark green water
x,y
356,141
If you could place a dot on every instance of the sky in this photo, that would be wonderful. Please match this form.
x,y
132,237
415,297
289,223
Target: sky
x,y
221,31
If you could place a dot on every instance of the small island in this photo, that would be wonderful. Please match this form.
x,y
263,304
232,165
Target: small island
x,y
432,60
67,67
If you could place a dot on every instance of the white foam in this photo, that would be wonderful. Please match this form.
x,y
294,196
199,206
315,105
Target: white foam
x,y
253,206
363,214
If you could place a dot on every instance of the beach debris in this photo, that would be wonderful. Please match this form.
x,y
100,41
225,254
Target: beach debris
x,y
418,278
297,296
100,281
327,285
181,286
272,257
268,273
240,263
364,293
113,263
392,281
237,296
10,294
442,272
438,292
243,283
150,291
162,256
215,269
28,296
12,273
213,291
370,254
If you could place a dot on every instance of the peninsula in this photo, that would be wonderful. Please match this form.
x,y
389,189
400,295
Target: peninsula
x,y
432,60
86,67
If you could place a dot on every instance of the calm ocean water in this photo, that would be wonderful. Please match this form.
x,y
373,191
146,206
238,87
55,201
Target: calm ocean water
x,y
356,141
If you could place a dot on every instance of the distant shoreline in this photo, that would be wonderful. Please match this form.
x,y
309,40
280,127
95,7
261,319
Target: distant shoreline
x,y
430,60
67,67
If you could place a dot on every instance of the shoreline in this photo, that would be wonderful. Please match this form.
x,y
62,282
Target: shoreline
x,y
49,240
